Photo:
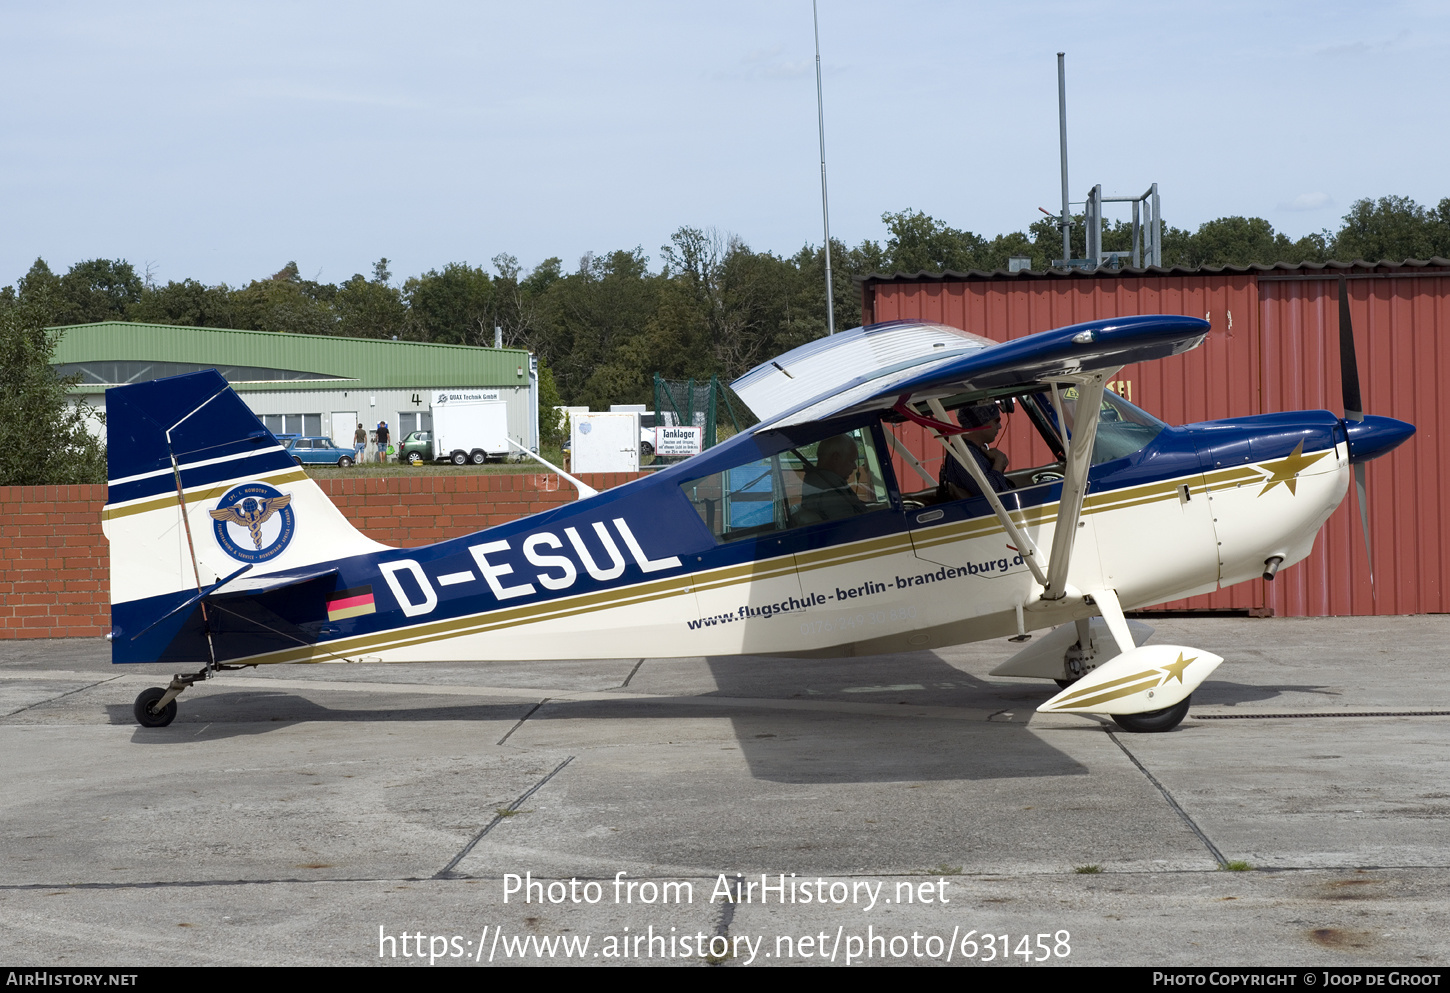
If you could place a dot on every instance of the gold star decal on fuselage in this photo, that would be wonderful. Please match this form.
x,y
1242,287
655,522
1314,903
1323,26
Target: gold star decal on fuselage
x,y
1176,668
1286,469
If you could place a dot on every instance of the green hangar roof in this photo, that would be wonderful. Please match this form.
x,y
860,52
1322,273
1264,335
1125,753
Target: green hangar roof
x,y
113,353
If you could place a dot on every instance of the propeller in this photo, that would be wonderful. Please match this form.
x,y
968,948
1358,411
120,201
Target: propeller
x,y
1354,411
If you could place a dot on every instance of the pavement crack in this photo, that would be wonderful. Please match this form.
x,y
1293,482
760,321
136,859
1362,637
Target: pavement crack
x,y
728,907
727,917
1218,856
58,696
447,871
522,719
631,674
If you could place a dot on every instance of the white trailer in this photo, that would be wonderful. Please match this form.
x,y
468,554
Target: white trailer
x,y
604,442
467,428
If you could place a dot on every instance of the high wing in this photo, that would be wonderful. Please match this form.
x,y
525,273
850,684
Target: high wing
x,y
900,364
870,368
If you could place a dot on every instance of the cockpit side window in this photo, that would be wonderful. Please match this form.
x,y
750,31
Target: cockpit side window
x,y
836,477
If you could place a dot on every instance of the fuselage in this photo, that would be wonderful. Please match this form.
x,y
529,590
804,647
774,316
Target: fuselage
x,y
643,570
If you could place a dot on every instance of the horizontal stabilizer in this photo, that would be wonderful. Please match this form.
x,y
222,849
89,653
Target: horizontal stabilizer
x,y
273,581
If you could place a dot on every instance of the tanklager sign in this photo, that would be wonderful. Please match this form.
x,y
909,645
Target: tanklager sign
x,y
678,440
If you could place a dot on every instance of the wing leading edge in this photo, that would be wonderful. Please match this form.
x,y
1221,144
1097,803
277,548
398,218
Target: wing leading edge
x,y
872,367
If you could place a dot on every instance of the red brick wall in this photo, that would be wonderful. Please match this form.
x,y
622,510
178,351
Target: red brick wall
x,y
54,568
54,579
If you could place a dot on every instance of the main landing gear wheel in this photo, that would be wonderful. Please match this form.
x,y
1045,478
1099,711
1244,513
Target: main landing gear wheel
x,y
149,718
1155,720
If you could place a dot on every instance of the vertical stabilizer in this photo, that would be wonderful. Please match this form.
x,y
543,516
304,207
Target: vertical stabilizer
x,y
198,489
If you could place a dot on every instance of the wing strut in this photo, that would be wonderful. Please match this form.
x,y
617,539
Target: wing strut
x,y
1107,603
1052,578
911,460
1074,487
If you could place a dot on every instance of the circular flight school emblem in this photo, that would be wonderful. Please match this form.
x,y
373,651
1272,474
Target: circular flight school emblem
x,y
254,522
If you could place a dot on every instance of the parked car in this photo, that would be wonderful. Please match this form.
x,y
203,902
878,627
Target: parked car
x,y
319,451
417,448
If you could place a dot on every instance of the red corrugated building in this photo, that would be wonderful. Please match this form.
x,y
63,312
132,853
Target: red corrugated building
x,y
1273,347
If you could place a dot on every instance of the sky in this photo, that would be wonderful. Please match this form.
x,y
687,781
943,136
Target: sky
x,y
220,141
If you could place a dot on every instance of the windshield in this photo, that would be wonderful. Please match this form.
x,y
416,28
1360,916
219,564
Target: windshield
x,y
1122,428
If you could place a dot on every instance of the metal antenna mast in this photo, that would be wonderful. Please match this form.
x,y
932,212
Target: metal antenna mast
x,y
1066,223
825,205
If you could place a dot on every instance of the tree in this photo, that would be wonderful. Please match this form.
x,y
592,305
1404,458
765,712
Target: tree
x,y
521,306
805,316
920,243
1394,229
551,424
370,308
286,302
600,310
1047,240
47,437
452,307
187,303
1237,241
98,290
39,291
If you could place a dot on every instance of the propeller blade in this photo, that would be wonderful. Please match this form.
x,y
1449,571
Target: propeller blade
x,y
1359,490
1348,365
1354,411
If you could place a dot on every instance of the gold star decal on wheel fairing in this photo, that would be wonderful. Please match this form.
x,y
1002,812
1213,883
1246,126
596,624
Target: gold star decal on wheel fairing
x,y
1176,668
1286,469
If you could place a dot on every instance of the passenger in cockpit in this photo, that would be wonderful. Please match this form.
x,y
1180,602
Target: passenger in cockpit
x,y
984,423
826,492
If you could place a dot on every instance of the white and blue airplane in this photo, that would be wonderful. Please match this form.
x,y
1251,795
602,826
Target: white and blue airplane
x,y
793,538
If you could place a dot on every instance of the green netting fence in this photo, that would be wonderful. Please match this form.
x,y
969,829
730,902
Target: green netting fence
x,y
708,404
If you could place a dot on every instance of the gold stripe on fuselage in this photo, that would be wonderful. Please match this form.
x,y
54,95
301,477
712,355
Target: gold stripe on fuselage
x,y
745,573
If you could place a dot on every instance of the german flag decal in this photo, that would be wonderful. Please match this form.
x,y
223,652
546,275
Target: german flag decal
x,y
351,603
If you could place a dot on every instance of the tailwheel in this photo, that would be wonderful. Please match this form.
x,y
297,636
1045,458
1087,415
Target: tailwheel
x,y
145,708
156,708
1154,720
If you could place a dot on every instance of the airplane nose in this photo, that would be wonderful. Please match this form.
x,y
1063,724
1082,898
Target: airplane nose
x,y
1375,436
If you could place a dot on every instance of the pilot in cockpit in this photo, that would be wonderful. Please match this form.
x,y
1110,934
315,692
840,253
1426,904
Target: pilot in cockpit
x,y
984,423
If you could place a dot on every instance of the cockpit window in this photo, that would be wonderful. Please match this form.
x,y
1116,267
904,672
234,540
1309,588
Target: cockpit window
x,y
834,478
1122,428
